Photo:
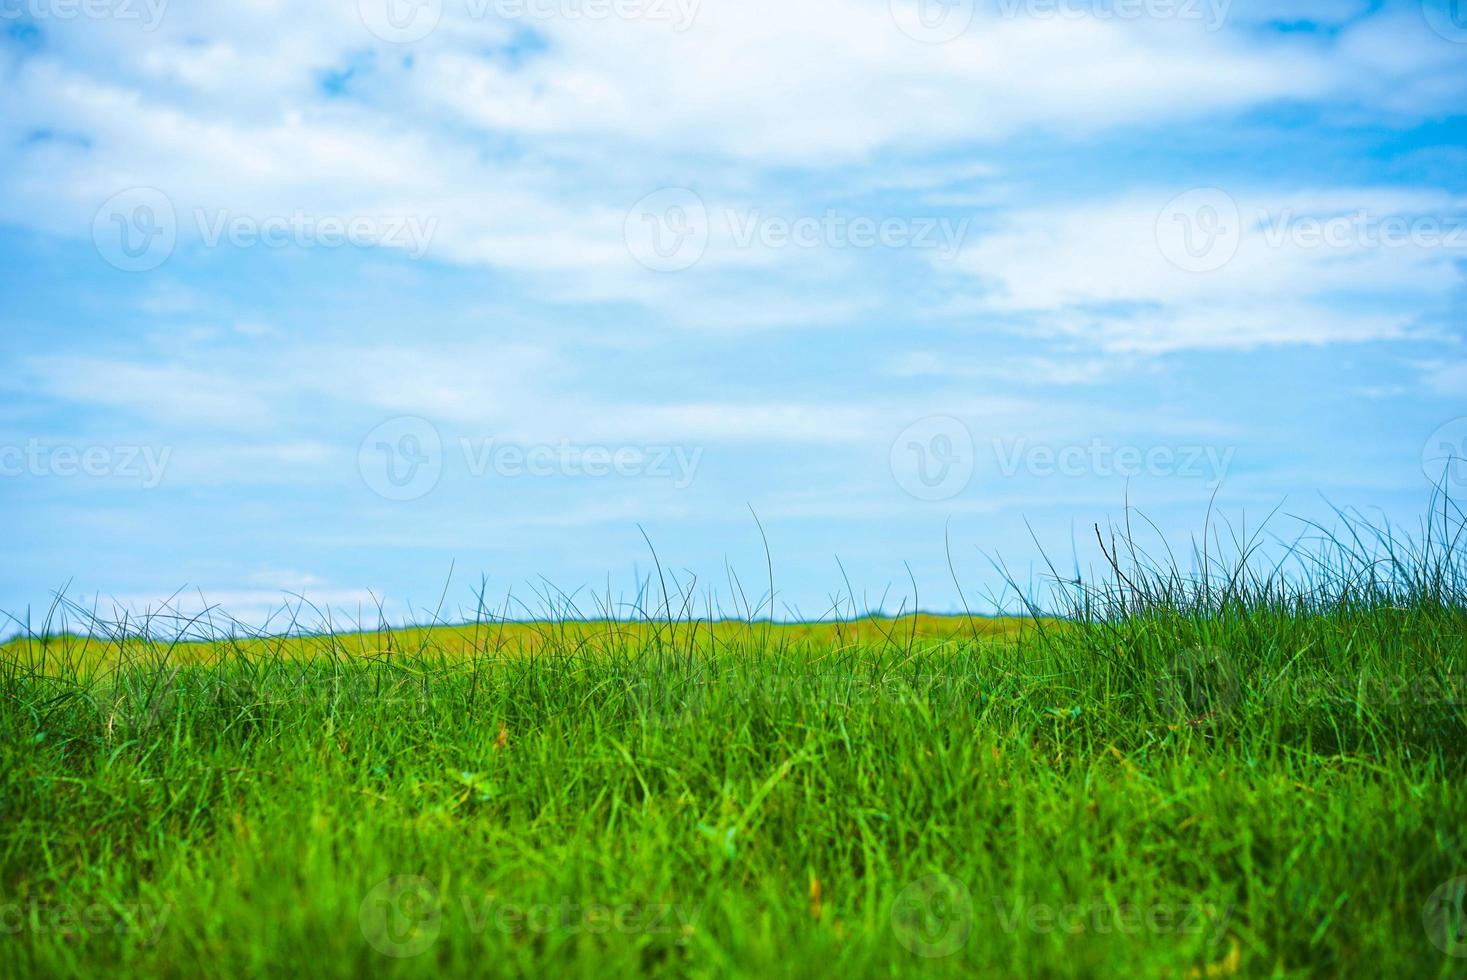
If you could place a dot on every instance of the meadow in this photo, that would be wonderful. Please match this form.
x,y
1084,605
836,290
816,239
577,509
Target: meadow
x,y
1248,769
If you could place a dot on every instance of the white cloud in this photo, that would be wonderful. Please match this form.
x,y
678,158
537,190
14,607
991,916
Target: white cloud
x,y
769,81
1027,371
1447,378
528,160
1118,272
167,393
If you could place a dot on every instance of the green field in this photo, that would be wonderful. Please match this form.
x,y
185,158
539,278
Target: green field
x,y
1252,773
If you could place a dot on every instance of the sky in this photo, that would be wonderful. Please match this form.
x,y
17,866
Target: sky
x,y
379,303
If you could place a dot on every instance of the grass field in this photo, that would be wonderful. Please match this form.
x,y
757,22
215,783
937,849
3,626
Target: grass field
x,y
1246,772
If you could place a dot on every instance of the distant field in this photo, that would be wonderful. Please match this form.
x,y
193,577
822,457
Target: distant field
x,y
501,638
1179,781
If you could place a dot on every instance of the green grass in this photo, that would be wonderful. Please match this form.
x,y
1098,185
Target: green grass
x,y
1251,771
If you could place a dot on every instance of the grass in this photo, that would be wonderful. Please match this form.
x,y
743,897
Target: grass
x,y
1249,770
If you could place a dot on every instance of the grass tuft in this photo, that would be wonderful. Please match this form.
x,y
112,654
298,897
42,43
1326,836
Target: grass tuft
x,y
1231,765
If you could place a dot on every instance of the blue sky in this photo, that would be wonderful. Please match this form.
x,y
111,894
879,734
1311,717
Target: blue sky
x,y
303,298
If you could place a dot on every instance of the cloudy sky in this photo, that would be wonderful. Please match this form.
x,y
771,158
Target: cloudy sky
x,y
332,297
